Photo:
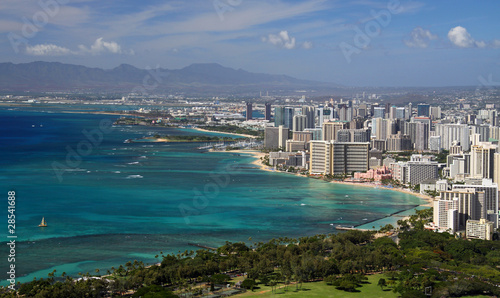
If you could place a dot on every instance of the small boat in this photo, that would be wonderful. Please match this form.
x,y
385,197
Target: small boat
x,y
43,223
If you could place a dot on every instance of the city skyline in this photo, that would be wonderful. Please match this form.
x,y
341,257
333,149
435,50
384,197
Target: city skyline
x,y
360,43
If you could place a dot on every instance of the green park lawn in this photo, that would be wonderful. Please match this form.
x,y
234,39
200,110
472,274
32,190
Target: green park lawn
x,y
321,289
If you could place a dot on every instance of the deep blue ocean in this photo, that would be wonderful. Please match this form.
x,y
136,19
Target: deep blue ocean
x,y
107,202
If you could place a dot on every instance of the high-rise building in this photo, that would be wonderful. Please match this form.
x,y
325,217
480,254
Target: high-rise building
x,y
329,157
482,160
380,145
459,166
423,110
483,131
415,171
356,123
354,135
294,146
454,132
330,130
319,116
383,128
344,135
496,167
361,135
399,142
249,111
462,200
436,112
400,113
349,157
409,112
319,162
267,113
362,110
446,214
387,107
487,207
279,116
299,122
392,112
309,112
303,136
317,133
479,229
419,135
471,118
275,137
494,133
345,113
288,117
421,171
435,143
379,112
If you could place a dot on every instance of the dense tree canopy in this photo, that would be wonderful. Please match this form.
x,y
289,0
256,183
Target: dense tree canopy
x,y
423,259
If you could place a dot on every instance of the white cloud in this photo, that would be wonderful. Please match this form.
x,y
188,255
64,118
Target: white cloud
x,y
462,39
496,43
419,38
307,45
249,14
282,40
480,44
47,50
101,46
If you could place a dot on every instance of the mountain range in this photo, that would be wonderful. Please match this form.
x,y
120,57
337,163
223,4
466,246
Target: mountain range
x,y
204,78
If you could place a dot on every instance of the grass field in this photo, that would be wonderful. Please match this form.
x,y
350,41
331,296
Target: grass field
x,y
321,289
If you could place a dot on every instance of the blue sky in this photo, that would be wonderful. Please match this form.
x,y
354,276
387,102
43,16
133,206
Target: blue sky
x,y
354,43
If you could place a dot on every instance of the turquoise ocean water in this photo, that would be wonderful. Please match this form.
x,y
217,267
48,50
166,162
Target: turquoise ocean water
x,y
128,201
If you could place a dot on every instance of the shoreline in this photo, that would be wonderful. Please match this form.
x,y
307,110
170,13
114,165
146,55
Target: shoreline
x,y
257,155
166,140
221,132
429,200
258,162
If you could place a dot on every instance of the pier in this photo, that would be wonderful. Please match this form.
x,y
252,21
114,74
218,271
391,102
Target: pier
x,y
395,214
202,246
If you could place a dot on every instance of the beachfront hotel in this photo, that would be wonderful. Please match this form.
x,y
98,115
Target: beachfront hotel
x,y
333,158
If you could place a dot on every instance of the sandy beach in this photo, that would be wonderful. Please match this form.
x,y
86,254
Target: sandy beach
x,y
428,199
256,154
227,133
258,162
